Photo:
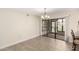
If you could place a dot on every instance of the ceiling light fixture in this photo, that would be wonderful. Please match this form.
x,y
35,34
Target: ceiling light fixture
x,y
45,16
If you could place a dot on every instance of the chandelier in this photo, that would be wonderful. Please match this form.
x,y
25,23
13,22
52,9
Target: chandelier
x,y
45,16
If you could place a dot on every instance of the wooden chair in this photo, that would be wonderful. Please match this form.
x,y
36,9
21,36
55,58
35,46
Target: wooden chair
x,y
75,41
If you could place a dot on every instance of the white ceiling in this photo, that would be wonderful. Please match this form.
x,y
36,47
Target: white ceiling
x,y
37,11
40,11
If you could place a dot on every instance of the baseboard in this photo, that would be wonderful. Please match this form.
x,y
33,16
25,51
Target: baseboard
x,y
18,42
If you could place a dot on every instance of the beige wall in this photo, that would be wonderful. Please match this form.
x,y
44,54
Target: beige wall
x,y
16,27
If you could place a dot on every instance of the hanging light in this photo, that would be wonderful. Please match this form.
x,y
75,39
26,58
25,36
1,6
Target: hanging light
x,y
45,16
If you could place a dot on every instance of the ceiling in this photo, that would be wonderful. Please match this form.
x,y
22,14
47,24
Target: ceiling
x,y
37,11
40,11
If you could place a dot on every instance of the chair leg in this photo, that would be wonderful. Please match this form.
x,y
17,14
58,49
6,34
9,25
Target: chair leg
x,y
74,47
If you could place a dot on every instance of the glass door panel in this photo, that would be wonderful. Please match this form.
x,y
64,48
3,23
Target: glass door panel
x,y
60,24
53,26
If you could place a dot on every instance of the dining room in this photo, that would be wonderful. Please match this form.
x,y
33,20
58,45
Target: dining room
x,y
25,31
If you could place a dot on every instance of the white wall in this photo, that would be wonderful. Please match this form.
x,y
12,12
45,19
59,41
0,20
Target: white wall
x,y
72,18
16,27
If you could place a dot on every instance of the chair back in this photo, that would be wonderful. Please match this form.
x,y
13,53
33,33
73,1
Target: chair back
x,y
73,35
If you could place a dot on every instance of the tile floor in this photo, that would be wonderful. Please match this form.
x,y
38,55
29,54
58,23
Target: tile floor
x,y
40,44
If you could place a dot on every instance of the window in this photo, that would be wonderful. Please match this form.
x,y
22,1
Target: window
x,y
60,24
53,26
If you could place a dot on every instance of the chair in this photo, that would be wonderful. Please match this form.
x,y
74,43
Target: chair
x,y
75,41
